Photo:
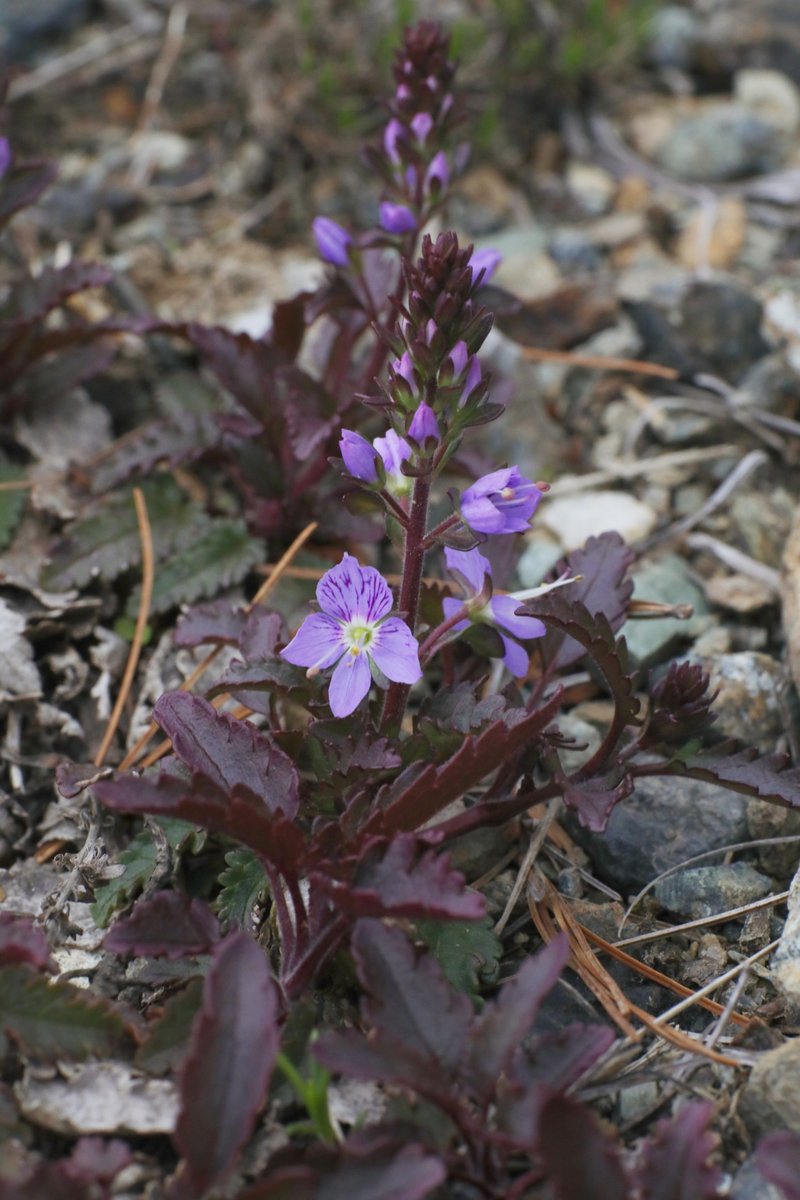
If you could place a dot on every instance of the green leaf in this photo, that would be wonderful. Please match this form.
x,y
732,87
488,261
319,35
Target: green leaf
x,y
169,1037
139,861
243,883
464,951
56,1020
106,542
11,503
222,554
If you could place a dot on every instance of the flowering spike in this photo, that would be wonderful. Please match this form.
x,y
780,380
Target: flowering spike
x,y
352,632
333,242
502,502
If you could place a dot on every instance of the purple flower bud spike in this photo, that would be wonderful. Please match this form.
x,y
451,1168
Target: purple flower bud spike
x,y
397,218
333,242
501,502
352,633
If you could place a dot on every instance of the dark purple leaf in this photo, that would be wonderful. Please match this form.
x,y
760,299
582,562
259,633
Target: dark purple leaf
x,y
380,1172
289,325
53,1019
399,880
96,1160
171,440
263,631
22,942
556,1062
235,1039
73,778
418,795
167,925
33,297
50,1180
384,1060
232,754
594,799
778,1159
605,587
201,802
408,997
268,675
674,1162
769,777
22,185
220,623
49,379
581,1160
503,1025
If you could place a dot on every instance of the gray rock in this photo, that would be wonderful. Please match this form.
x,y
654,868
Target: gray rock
x,y
750,1184
770,383
25,25
664,822
723,142
721,322
763,522
704,891
771,96
746,707
668,581
671,38
765,820
771,1097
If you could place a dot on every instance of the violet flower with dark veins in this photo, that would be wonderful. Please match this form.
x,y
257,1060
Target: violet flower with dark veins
x,y
474,573
501,502
353,633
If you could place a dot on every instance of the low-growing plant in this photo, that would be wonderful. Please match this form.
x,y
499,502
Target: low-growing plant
x,y
376,737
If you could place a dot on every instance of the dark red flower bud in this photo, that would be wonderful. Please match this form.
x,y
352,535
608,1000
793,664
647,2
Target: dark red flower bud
x,y
680,705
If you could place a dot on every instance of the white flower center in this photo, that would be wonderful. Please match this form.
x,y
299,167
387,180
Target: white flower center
x,y
358,636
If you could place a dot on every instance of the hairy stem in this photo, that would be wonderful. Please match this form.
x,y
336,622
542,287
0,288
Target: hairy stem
x,y
430,645
408,603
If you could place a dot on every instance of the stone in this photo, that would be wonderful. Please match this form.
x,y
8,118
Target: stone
x,y
718,246
572,252
771,383
26,26
99,1098
667,580
785,963
747,686
719,143
771,96
750,1184
526,269
591,186
671,37
739,593
721,322
763,521
771,1096
706,891
574,519
663,823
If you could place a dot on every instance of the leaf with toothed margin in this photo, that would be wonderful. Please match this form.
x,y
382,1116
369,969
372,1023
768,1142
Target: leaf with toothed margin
x,y
22,942
23,185
674,1162
234,1043
594,799
242,884
219,623
55,1020
383,1169
173,441
462,949
768,777
234,755
166,925
401,879
33,297
580,1158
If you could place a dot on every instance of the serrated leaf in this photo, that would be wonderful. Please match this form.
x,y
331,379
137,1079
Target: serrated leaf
x,y
22,942
167,925
386,1171
218,555
169,1035
605,587
235,1040
34,296
55,1020
462,949
173,441
106,541
594,799
397,879
139,861
220,623
768,777
234,755
22,185
581,1160
674,1163
243,883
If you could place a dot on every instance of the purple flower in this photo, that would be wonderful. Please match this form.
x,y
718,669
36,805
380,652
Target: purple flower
x,y
424,424
392,134
333,242
397,218
394,451
422,124
472,380
359,456
404,368
353,632
486,260
501,502
437,175
474,573
5,156
459,356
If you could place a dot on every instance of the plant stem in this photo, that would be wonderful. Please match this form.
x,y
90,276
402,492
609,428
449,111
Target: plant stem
x,y
442,527
428,647
413,560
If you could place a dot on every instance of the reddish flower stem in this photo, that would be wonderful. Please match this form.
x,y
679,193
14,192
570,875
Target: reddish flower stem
x,y
408,603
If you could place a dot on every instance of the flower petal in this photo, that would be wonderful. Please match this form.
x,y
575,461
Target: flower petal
x,y
471,566
396,651
481,515
504,610
516,659
350,683
317,643
450,607
349,590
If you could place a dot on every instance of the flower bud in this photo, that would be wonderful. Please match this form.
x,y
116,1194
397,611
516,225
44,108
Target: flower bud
x,y
359,456
421,124
397,218
437,175
486,260
393,134
424,425
5,156
333,242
